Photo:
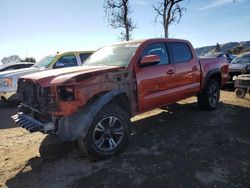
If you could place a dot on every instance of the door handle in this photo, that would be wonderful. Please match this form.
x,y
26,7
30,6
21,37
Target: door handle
x,y
194,68
170,72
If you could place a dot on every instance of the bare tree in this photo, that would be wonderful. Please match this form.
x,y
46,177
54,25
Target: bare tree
x,y
117,14
170,12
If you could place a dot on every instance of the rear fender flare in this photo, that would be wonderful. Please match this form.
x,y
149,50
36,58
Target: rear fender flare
x,y
76,125
209,75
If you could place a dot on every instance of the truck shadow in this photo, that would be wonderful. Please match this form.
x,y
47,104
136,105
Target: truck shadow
x,y
178,147
6,111
229,87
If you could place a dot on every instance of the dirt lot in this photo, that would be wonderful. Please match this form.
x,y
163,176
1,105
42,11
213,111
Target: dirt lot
x,y
177,147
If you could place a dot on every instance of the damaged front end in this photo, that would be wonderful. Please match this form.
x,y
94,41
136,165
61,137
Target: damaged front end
x,y
67,109
36,107
40,105
31,124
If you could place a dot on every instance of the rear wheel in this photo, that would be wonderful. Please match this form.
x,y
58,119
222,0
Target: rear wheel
x,y
108,133
240,92
209,98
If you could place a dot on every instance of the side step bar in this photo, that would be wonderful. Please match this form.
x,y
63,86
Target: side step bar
x,y
31,124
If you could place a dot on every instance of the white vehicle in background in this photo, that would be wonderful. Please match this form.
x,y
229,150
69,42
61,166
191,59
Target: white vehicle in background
x,y
8,79
14,66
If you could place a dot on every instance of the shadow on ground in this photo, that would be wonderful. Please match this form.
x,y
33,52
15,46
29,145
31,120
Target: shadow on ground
x,y
179,147
6,111
229,87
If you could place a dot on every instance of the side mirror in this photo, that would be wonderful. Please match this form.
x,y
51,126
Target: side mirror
x,y
150,60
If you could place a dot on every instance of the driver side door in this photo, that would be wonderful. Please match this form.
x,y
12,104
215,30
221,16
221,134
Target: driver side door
x,y
155,82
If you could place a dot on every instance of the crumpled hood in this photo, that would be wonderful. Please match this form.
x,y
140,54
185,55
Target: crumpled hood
x,y
18,72
60,76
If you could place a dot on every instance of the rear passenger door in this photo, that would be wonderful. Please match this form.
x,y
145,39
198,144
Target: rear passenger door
x,y
155,82
187,71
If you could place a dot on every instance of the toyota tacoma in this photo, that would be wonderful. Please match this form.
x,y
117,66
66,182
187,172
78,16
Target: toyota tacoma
x,y
94,103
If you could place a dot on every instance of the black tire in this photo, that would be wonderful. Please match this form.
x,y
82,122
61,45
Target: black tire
x,y
240,92
108,133
209,98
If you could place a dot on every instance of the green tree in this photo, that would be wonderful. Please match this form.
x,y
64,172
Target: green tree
x,y
245,50
29,59
238,50
217,48
11,59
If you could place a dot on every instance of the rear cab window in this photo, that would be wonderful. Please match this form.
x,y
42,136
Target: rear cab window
x,y
181,52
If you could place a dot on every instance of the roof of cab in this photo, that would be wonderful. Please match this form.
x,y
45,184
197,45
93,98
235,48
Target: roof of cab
x,y
75,52
154,39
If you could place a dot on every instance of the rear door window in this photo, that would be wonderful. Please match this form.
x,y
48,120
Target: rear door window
x,y
181,52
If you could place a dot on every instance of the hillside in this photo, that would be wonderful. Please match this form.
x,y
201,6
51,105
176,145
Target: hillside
x,y
224,47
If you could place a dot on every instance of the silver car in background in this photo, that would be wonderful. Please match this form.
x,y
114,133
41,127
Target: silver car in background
x,y
238,64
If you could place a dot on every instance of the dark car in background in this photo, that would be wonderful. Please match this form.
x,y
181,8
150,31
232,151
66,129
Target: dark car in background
x,y
14,66
227,55
246,69
238,64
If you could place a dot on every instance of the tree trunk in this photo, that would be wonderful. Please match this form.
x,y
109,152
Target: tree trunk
x,y
125,20
166,31
127,34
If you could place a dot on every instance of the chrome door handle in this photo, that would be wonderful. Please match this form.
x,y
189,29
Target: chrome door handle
x,y
194,68
170,72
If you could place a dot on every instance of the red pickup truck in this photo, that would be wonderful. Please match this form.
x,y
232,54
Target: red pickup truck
x,y
94,103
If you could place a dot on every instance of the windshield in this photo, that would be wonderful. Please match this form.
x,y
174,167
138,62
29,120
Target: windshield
x,y
44,62
115,55
241,60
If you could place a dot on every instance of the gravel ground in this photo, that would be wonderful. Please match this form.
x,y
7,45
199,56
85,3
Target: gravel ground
x,y
179,146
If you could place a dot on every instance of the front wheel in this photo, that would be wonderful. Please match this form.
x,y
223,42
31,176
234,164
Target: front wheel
x,y
209,98
108,133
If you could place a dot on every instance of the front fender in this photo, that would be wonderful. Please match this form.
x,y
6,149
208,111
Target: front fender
x,y
76,125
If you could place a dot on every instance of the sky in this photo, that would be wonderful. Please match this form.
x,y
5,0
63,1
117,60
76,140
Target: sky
x,y
35,28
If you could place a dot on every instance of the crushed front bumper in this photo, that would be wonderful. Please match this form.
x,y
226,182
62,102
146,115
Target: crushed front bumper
x,y
32,125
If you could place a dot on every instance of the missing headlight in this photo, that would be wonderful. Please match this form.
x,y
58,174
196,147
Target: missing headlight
x,y
66,93
6,82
